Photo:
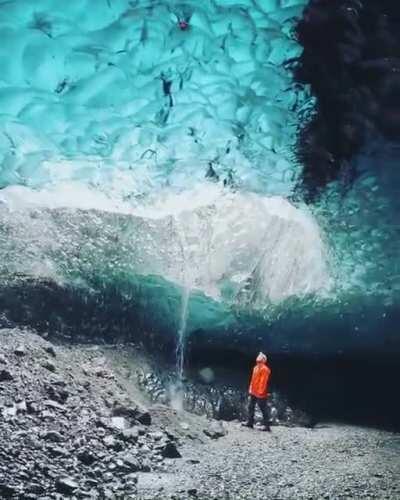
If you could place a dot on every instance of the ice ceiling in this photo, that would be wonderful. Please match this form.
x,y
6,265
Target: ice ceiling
x,y
155,140
137,95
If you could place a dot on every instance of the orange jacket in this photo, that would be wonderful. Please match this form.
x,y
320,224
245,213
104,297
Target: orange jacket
x,y
259,380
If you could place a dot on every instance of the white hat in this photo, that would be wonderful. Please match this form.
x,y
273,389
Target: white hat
x,y
261,357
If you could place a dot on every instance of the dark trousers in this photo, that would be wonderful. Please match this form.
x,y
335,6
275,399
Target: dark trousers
x,y
262,404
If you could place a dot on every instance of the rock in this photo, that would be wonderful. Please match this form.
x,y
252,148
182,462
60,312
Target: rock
x,y
35,489
131,478
102,423
7,491
138,413
50,350
32,407
86,457
112,443
131,463
109,441
53,436
56,451
118,423
9,411
57,392
20,351
91,482
170,451
66,485
130,435
21,407
49,366
6,376
53,404
215,430
101,372
185,426
170,434
45,414
3,360
108,477
157,436
144,417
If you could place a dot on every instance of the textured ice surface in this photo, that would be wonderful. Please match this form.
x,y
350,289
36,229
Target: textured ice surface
x,y
245,249
363,227
108,106
114,93
111,117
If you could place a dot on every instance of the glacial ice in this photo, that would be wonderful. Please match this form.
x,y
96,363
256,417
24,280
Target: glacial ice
x,y
120,88
243,248
111,117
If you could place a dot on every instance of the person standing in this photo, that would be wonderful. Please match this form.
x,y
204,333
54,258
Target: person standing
x,y
258,392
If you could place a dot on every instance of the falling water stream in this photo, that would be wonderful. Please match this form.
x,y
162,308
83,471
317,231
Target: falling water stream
x,y
177,389
180,345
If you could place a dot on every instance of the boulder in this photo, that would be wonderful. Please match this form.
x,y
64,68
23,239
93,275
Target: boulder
x,y
53,436
66,485
50,350
6,376
137,412
86,457
170,450
118,423
49,366
20,351
215,430
7,491
130,435
131,463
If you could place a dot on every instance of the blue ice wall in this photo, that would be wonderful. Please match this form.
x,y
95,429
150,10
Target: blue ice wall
x,y
114,112
135,95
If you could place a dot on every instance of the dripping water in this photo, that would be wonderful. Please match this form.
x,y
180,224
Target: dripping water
x,y
180,345
177,388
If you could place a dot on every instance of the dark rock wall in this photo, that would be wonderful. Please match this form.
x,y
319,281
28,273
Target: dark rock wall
x,y
351,60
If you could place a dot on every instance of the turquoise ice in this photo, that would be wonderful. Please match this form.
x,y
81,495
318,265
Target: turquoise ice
x,y
152,144
115,93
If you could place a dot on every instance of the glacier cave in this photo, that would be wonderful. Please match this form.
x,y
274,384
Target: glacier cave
x,y
200,167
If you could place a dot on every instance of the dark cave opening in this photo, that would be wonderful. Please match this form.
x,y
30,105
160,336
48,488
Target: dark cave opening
x,y
355,390
352,387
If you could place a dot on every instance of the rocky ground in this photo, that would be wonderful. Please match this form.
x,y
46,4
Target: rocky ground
x,y
75,423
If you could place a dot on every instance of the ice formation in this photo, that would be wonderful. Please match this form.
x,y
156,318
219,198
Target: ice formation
x,y
238,247
109,106
118,95
154,139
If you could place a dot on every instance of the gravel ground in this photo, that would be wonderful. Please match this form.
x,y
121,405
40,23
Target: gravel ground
x,y
75,425
330,461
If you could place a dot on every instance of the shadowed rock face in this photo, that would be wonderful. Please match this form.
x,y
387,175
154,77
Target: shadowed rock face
x,y
351,59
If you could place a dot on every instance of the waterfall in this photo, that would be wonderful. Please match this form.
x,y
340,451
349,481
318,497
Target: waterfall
x,y
181,337
177,390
